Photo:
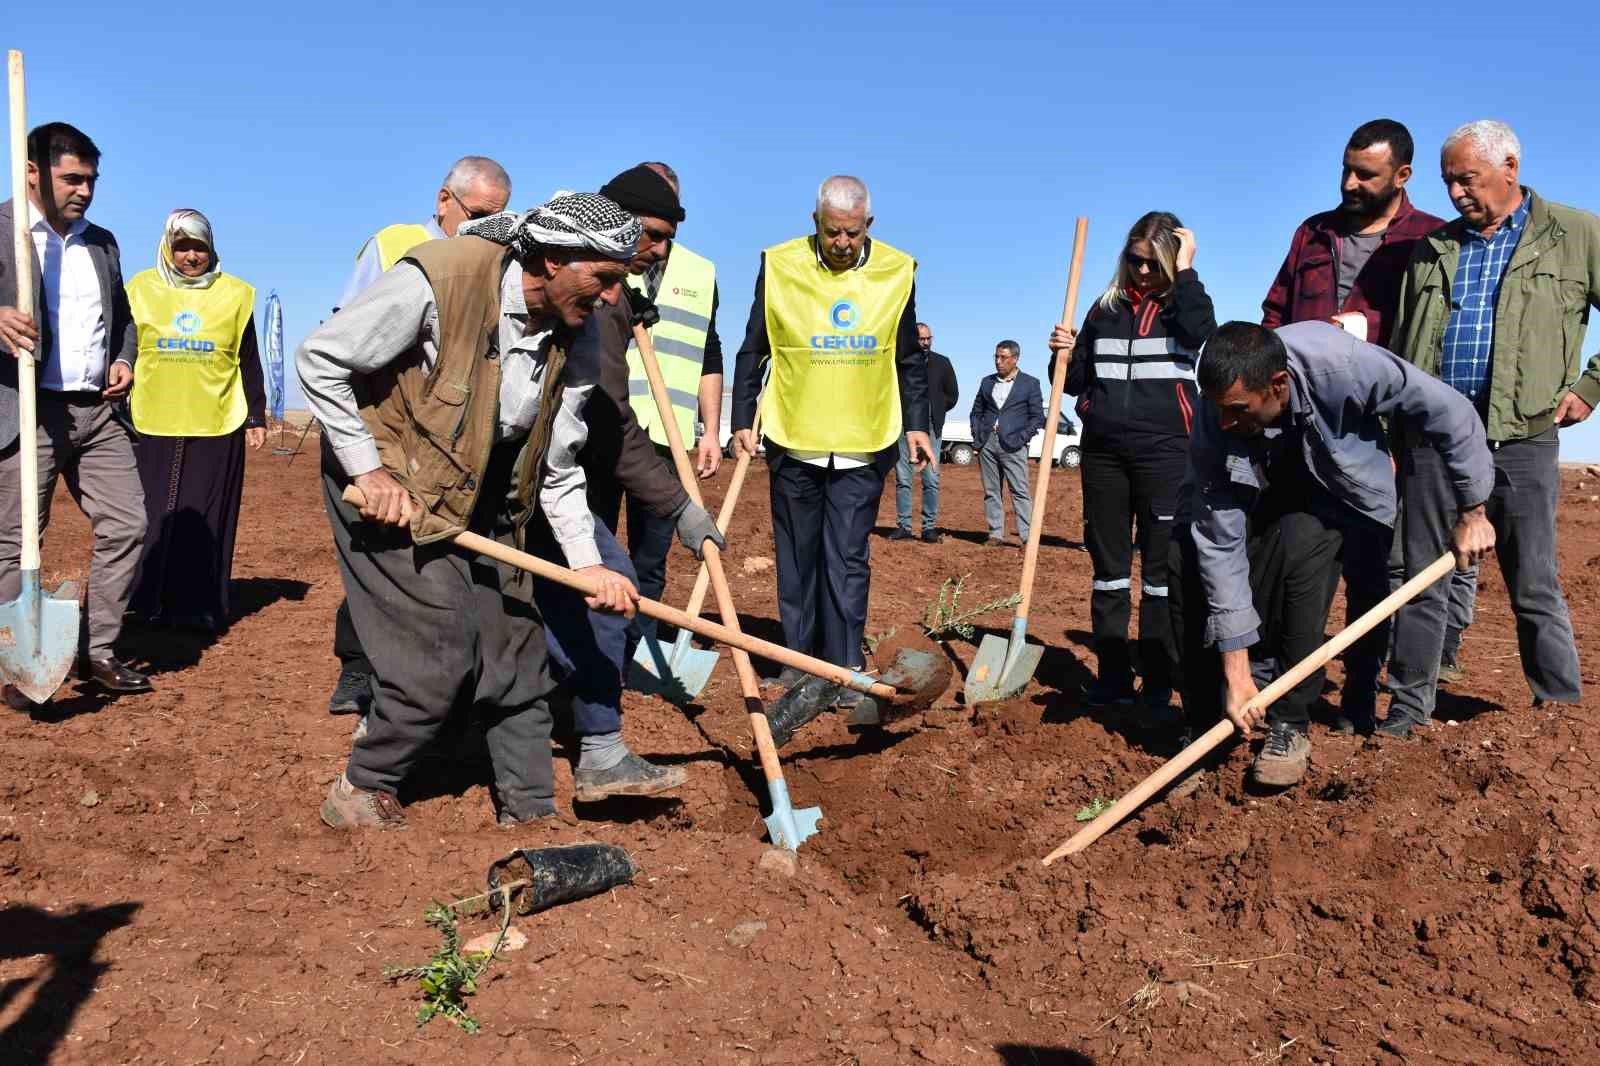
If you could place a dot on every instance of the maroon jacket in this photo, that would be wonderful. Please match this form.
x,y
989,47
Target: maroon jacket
x,y
1305,287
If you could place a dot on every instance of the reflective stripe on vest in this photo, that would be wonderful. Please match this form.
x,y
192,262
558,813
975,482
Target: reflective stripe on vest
x,y
834,385
679,340
394,242
1143,366
188,383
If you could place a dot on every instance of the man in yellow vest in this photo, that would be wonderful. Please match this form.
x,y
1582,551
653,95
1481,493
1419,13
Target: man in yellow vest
x,y
475,187
835,314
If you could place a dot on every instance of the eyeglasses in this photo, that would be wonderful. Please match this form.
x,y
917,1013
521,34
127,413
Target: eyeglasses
x,y
472,216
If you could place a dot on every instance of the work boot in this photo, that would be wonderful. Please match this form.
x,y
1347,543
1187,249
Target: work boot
x,y
632,776
1283,759
997,542
932,536
1098,693
353,693
1450,672
524,813
901,533
787,678
1398,725
799,706
348,806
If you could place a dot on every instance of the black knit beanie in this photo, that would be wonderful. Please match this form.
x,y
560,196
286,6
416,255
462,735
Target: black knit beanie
x,y
644,192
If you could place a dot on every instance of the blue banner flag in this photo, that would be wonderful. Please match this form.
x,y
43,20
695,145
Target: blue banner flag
x,y
273,354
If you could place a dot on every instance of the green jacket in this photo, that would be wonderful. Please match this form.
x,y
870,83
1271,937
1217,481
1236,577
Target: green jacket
x,y
1543,308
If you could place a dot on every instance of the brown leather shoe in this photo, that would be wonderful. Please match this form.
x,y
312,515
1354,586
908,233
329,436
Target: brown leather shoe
x,y
348,806
17,701
112,673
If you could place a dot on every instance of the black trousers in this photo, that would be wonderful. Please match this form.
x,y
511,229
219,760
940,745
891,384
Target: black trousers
x,y
443,625
822,520
649,543
347,642
1131,482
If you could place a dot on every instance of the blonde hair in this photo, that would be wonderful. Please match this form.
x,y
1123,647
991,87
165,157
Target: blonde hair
x,y
1159,228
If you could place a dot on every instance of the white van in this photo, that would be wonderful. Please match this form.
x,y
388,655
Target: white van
x,y
957,447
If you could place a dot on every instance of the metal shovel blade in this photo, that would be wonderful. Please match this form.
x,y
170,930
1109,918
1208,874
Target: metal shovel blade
x,y
39,637
788,827
677,673
1002,667
919,678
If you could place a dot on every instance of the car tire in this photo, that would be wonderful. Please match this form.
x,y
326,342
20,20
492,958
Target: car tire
x,y
962,454
1071,456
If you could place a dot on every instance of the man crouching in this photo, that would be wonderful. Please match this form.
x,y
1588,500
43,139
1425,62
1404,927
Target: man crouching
x,y
1290,475
441,391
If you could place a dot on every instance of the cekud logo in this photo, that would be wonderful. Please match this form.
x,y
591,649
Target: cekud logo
x,y
186,323
843,316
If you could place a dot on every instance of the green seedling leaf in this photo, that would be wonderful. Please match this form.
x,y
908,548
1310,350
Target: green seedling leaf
x,y
1093,810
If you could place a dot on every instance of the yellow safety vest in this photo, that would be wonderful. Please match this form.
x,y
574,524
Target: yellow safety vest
x,y
679,340
834,385
187,382
395,241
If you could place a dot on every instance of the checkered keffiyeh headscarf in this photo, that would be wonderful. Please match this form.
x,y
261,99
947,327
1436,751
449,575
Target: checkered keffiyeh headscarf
x,y
570,220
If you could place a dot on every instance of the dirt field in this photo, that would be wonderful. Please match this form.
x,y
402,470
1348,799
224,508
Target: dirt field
x,y
169,895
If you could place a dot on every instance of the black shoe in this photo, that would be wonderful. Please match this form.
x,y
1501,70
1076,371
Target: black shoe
x,y
1100,694
1398,726
111,673
353,693
901,533
1350,725
932,536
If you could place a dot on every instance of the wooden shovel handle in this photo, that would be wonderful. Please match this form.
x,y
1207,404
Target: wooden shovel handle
x,y
22,256
702,580
1265,698
538,567
749,684
1047,459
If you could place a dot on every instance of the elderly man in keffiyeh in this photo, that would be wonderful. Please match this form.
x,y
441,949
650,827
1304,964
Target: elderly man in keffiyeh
x,y
445,395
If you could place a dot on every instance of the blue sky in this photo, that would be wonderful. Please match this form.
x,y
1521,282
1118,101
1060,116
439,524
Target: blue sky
x,y
982,129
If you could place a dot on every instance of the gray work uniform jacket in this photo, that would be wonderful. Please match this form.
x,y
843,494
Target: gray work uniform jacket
x,y
1340,391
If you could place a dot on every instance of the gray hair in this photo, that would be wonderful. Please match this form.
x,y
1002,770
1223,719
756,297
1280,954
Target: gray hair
x,y
844,193
471,169
666,172
1493,139
1011,346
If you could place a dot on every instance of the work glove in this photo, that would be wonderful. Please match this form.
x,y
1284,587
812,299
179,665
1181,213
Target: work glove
x,y
695,527
642,310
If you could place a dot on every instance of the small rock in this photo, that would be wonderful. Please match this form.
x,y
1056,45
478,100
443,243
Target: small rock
x,y
756,564
1592,471
515,940
779,861
741,935
90,798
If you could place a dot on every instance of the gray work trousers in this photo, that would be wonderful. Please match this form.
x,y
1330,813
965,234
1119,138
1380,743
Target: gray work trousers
x,y
81,441
994,462
442,625
1522,509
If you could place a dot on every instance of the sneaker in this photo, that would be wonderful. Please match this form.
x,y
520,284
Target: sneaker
x,y
901,533
932,536
508,818
632,776
353,693
996,542
348,806
1450,673
1098,693
1283,759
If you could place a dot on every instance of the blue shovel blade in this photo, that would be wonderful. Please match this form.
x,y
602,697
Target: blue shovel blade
x,y
787,826
677,673
1003,667
39,638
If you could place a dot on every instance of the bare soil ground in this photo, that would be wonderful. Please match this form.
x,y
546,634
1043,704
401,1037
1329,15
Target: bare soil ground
x,y
168,895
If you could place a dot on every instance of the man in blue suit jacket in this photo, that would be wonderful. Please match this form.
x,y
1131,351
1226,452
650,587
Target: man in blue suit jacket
x,y
1008,411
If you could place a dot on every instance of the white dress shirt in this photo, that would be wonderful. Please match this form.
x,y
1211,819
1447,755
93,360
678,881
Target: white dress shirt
x,y
76,361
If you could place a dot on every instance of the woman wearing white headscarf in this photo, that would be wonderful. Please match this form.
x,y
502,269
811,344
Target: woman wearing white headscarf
x,y
197,402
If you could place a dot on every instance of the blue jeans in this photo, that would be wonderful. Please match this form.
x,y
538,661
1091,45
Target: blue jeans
x,y
903,487
588,649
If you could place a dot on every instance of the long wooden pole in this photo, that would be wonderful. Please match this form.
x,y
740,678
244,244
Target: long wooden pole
x,y
1047,459
22,257
1225,728
749,684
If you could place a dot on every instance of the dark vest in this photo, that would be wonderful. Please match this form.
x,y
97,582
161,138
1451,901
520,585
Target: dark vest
x,y
434,429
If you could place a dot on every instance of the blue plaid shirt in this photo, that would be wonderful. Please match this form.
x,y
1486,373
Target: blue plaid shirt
x,y
1469,335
